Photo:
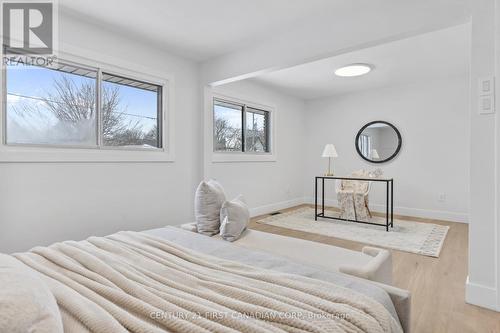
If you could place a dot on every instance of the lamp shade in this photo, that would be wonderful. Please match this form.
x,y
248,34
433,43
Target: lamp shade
x,y
330,151
375,153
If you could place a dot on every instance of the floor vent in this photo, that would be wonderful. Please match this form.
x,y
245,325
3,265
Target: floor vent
x,y
275,213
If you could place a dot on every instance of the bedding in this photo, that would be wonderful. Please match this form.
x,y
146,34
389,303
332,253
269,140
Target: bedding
x,y
146,282
26,303
263,259
317,259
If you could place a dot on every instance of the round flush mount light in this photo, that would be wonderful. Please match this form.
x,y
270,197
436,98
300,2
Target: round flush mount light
x,y
353,70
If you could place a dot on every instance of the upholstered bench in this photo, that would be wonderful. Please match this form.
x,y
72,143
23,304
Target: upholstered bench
x,y
371,263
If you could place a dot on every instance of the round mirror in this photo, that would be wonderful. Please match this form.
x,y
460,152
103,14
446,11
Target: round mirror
x,y
378,142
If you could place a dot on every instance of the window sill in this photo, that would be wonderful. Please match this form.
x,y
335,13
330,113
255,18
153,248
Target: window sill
x,y
238,157
9,154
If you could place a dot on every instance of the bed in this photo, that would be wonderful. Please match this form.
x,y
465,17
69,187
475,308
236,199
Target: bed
x,y
172,280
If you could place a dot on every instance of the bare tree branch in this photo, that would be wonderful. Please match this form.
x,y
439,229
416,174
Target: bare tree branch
x,y
73,103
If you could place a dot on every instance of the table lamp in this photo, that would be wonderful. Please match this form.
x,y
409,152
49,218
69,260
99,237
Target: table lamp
x,y
330,152
374,154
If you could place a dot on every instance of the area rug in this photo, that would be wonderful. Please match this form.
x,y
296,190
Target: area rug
x,y
410,236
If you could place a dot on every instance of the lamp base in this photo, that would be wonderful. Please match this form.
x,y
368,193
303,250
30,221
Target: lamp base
x,y
329,171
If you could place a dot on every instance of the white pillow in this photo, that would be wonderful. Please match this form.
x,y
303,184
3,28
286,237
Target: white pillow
x,y
234,216
207,203
26,303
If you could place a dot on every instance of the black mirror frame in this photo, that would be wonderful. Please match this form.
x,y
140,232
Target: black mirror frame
x,y
400,141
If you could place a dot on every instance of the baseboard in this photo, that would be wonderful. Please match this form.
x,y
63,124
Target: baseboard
x,y
480,295
406,211
266,209
428,214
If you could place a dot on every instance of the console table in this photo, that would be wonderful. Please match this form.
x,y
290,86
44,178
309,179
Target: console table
x,y
389,199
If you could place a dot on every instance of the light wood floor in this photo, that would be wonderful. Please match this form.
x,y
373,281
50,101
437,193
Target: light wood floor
x,y
437,284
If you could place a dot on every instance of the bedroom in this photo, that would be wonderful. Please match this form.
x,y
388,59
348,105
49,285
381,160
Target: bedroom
x,y
426,62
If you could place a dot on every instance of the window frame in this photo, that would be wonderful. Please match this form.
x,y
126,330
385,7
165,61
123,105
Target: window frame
x,y
20,152
238,156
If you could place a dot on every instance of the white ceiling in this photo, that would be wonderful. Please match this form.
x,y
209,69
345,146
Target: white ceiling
x,y
198,29
434,55
204,29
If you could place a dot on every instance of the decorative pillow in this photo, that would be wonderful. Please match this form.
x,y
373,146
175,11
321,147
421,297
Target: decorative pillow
x,y
26,303
234,216
207,203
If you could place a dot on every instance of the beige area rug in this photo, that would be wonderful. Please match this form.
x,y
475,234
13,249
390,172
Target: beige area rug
x,y
410,236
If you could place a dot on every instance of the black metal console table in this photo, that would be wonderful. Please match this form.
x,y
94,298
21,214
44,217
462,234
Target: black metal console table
x,y
389,199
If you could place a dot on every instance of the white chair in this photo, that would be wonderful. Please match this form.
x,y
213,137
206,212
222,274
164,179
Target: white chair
x,y
352,196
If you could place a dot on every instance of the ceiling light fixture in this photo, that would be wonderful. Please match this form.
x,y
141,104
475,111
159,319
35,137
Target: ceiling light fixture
x,y
353,70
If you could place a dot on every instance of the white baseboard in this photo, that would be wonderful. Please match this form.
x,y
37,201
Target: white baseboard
x,y
266,209
480,295
415,212
425,213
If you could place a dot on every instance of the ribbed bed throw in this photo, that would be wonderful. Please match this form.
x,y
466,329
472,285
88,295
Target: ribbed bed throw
x,y
133,282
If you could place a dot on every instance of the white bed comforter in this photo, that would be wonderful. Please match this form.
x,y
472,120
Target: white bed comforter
x,y
139,283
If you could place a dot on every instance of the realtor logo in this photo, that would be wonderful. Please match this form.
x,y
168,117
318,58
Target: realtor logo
x,y
28,28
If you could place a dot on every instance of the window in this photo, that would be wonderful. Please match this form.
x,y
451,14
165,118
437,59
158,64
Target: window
x,y
240,128
228,126
70,105
51,107
256,130
130,112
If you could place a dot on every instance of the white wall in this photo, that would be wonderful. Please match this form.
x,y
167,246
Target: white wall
x,y
484,231
41,203
45,202
266,185
433,120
